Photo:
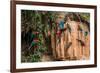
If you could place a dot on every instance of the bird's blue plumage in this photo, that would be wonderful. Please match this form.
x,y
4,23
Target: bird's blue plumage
x,y
61,24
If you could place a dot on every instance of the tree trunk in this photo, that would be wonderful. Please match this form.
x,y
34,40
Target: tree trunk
x,y
53,45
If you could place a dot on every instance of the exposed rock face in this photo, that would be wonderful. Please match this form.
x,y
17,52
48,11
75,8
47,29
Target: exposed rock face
x,y
73,44
73,35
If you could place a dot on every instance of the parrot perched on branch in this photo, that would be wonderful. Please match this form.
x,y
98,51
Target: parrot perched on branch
x,y
35,40
61,24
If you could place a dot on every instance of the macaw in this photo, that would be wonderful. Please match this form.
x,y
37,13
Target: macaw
x,y
34,40
61,24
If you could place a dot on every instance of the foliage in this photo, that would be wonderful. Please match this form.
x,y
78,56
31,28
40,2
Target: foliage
x,y
85,16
